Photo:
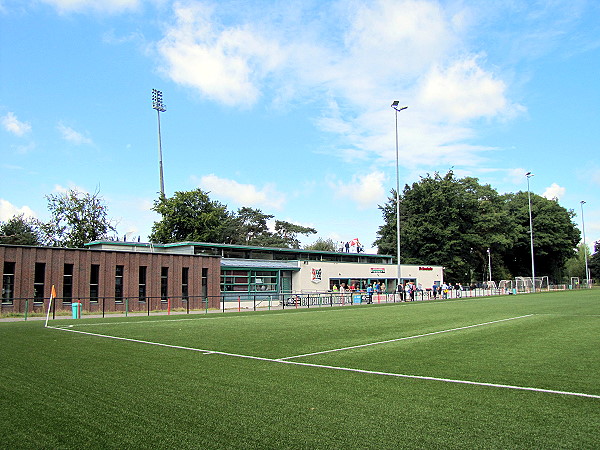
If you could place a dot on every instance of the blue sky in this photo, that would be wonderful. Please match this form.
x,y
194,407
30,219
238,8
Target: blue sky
x,y
284,106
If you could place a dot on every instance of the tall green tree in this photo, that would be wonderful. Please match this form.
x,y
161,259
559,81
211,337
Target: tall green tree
x,y
594,262
251,224
447,221
20,231
76,219
285,235
555,236
575,266
193,216
289,232
327,245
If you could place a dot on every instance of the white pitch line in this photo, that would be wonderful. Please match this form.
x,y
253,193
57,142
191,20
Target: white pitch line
x,y
159,344
346,369
446,380
402,338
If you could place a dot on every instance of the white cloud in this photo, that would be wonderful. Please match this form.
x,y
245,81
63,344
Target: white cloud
x,y
364,190
14,125
354,61
72,136
243,194
101,6
223,64
554,191
8,210
463,91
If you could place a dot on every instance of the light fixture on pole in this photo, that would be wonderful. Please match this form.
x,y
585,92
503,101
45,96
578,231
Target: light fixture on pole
x,y
157,104
490,263
529,175
585,249
399,280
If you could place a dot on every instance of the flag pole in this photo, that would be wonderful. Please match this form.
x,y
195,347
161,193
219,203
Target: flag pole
x,y
52,296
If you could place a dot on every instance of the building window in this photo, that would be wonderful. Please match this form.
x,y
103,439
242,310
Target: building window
x,y
185,274
264,281
234,280
119,284
94,282
39,281
67,293
8,283
204,283
142,283
164,284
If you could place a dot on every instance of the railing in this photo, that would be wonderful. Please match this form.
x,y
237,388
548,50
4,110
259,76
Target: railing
x,y
226,302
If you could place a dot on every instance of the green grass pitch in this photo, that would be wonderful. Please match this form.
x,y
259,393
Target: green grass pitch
x,y
444,374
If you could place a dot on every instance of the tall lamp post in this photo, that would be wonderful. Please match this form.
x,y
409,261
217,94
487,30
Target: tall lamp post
x,y
399,280
587,272
529,175
157,104
490,264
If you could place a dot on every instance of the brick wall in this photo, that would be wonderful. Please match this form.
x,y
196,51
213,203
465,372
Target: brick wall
x,y
26,257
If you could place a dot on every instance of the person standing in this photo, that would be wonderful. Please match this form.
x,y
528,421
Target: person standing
x,y
370,294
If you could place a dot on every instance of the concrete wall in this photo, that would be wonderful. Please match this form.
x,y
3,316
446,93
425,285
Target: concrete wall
x,y
307,279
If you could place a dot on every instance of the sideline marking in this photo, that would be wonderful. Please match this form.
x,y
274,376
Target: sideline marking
x,y
346,369
446,380
402,338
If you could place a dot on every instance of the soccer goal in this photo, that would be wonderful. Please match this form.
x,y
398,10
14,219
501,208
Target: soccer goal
x,y
506,286
525,284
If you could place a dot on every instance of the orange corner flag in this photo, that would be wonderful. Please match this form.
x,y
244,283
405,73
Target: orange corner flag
x,y
53,293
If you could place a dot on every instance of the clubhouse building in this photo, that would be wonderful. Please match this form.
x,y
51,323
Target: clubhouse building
x,y
111,275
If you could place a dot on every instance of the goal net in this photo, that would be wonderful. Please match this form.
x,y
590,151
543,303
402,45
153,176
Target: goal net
x,y
526,284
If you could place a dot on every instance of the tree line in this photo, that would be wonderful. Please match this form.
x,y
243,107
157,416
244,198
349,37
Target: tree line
x,y
453,222
444,221
78,218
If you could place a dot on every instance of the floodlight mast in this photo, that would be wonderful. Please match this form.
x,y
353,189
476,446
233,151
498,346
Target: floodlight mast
x,y
587,271
529,175
157,104
399,280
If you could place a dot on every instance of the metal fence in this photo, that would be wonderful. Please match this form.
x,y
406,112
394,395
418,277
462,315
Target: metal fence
x,y
226,302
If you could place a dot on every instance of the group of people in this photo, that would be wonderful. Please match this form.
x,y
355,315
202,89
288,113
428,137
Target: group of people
x,y
442,290
408,292
345,246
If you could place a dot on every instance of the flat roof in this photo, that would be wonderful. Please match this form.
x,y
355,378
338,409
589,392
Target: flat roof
x,y
207,245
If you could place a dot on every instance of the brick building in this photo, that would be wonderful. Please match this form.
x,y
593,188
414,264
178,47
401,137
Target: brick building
x,y
106,280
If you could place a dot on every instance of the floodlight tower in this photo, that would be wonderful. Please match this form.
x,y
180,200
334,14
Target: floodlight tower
x,y
529,175
399,280
157,104
587,271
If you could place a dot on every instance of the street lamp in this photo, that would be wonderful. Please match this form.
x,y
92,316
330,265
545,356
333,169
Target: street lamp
x,y
396,109
157,104
490,264
529,175
587,272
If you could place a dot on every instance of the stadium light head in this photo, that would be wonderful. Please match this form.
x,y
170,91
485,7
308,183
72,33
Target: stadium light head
x,y
529,174
395,106
157,101
582,202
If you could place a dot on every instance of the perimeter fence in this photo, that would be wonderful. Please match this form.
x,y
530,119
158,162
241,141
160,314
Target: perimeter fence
x,y
226,302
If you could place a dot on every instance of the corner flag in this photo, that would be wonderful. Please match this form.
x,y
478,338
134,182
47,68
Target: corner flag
x,y
52,297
